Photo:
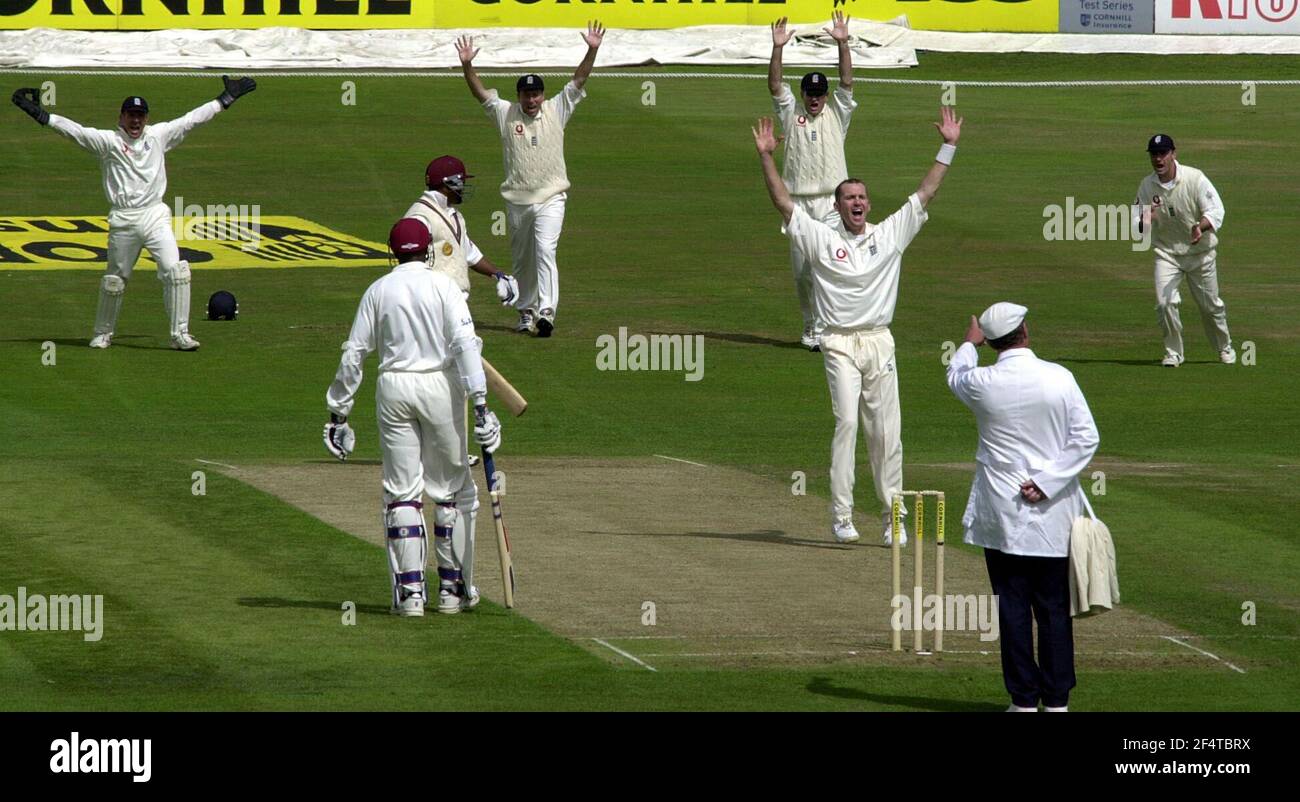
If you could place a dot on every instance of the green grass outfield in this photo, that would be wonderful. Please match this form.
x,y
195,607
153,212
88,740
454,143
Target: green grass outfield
x,y
668,229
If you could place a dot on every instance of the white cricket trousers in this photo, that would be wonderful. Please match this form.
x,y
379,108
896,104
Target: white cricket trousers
x,y
863,382
1202,276
129,232
534,238
818,207
422,435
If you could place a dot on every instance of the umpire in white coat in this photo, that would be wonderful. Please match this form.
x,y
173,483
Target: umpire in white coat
x,y
1036,435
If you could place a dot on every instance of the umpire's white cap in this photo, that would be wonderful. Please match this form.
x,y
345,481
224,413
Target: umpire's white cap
x,y
1001,319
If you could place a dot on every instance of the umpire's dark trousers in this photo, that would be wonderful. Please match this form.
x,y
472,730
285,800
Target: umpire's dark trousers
x,y
1028,589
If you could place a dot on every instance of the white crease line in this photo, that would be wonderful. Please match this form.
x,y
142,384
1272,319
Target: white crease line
x,y
1207,654
688,462
220,464
642,637
628,655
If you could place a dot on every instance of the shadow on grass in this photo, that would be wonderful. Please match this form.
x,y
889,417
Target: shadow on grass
x,y
273,602
1128,363
822,686
749,339
765,536
85,342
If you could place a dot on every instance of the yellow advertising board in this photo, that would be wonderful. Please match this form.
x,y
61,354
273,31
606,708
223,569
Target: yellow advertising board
x,y
953,15
81,243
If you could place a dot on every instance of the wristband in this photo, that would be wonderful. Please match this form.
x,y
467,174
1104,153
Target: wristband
x,y
945,154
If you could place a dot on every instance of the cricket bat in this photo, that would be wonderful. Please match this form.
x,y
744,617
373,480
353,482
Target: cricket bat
x,y
503,539
502,390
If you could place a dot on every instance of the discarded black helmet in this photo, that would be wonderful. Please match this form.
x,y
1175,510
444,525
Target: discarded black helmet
x,y
222,306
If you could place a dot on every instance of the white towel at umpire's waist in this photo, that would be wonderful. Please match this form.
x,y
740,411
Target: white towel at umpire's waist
x,y
1094,582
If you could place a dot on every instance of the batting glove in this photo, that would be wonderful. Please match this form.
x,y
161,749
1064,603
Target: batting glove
x,y
339,438
235,89
487,429
29,100
507,289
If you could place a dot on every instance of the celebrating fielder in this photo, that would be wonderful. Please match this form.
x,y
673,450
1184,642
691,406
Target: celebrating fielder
x,y
537,180
428,362
1184,213
135,180
814,151
855,268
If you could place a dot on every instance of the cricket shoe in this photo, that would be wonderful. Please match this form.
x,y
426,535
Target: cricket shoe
x,y
473,460
452,599
468,601
545,322
1019,709
844,531
1228,356
412,604
1047,709
184,342
102,340
527,322
889,531
809,339
1171,360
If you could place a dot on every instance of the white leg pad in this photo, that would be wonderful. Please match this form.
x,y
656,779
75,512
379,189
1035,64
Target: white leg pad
x,y
407,548
176,298
445,516
111,290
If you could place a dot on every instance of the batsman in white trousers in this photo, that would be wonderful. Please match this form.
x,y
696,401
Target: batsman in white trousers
x,y
429,362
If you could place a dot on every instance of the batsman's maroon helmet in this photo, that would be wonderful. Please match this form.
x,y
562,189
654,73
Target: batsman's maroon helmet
x,y
443,168
408,237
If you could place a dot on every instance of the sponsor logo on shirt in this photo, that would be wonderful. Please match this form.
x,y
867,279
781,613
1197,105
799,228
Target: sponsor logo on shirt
x,y
841,254
801,120
519,129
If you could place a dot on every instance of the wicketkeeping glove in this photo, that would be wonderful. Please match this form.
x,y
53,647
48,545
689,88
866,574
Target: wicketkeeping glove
x,y
339,438
507,288
235,89
487,429
29,100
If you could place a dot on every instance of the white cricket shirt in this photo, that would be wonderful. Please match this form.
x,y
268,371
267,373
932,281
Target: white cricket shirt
x,y
1183,202
814,146
135,174
411,317
533,147
1033,424
855,279
453,251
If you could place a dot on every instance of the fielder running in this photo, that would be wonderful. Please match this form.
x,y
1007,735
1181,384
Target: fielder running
x,y
814,151
428,362
537,180
856,268
1185,214
135,180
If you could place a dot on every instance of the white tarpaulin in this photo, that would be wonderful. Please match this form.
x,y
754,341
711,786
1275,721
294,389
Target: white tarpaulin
x,y
876,45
